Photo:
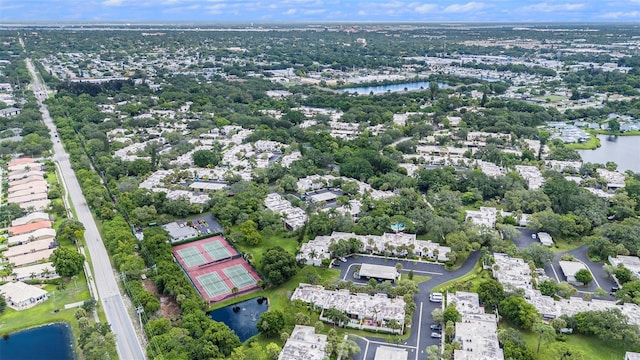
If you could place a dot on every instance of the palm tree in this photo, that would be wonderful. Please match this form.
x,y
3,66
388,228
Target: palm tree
x,y
46,272
313,254
234,290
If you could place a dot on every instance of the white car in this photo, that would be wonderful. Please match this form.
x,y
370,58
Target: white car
x,y
436,297
534,236
343,259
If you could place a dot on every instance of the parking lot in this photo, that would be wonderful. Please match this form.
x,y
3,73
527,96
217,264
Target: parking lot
x,y
204,224
554,271
420,337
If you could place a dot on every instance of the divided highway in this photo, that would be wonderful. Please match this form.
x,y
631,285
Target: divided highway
x,y
127,342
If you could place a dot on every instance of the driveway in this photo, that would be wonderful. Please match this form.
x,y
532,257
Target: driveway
x,y
600,278
553,269
419,338
524,240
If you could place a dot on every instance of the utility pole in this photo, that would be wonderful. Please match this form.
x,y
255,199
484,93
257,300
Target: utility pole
x,y
139,311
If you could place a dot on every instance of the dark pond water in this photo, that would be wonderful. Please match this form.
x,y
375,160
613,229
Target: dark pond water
x,y
50,342
381,89
244,321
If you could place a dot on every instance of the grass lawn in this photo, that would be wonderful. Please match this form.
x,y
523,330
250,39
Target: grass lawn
x,y
41,314
591,348
468,281
591,144
561,245
551,98
289,244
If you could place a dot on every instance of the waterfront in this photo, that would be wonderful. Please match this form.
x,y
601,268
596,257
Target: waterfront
x,y
49,342
620,149
381,89
242,321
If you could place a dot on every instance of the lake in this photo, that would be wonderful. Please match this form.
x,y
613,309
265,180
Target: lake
x,y
381,89
242,321
49,342
623,150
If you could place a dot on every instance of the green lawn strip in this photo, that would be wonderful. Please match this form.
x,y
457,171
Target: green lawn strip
x,y
475,276
591,347
562,245
592,143
289,244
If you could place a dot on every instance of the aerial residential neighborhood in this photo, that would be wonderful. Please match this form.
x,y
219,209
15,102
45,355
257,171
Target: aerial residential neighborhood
x,y
337,180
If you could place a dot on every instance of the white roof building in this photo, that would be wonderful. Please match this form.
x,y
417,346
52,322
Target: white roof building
x,y
391,353
632,263
570,268
486,216
477,332
179,232
531,175
631,356
365,311
317,249
38,271
31,258
21,296
614,179
33,217
294,217
40,234
545,239
304,344
379,272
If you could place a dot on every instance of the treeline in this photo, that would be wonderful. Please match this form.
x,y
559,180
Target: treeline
x,y
93,89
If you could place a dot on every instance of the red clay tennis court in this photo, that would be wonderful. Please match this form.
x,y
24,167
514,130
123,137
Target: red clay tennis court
x,y
215,268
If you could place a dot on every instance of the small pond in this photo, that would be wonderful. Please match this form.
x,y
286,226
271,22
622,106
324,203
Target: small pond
x,y
242,317
50,342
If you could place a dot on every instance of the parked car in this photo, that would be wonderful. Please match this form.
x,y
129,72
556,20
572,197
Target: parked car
x,y
343,259
533,236
436,327
614,289
436,335
435,297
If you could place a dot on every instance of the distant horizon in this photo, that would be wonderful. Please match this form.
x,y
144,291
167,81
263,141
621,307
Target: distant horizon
x,y
320,11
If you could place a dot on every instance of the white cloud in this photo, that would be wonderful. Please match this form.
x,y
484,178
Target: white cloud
x,y
470,6
425,8
112,2
216,9
546,7
290,12
621,14
314,11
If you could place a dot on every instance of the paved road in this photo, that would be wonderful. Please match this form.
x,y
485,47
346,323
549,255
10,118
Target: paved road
x,y
419,339
554,271
127,342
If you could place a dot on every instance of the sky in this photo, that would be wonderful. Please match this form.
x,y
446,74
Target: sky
x,y
321,10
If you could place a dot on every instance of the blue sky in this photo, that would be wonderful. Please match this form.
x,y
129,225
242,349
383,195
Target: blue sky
x,y
319,10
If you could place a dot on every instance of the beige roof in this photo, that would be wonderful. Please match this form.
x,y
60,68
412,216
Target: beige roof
x,y
17,175
26,180
36,183
38,269
31,218
26,192
36,205
27,248
27,198
21,161
31,258
40,234
26,166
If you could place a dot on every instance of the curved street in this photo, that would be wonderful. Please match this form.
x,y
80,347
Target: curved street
x,y
419,339
127,342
